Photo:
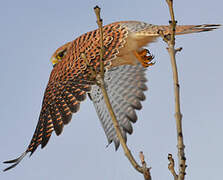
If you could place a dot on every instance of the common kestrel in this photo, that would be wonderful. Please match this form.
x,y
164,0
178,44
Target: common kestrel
x,y
125,62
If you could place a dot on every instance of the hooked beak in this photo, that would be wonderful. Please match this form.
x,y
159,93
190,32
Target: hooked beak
x,y
54,61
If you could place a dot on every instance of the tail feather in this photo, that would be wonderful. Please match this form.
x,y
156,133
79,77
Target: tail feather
x,y
150,30
147,33
187,29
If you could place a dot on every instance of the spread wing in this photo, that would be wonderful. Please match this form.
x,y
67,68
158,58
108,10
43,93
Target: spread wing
x,y
62,98
125,85
69,82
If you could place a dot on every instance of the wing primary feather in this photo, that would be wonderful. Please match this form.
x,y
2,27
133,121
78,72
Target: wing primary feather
x,y
34,142
116,143
63,106
125,86
58,126
47,129
15,161
126,125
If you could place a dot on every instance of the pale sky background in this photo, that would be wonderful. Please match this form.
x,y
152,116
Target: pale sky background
x,y
32,30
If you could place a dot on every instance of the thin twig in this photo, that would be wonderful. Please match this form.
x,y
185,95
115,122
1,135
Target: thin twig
x,y
102,50
146,171
101,83
178,116
171,166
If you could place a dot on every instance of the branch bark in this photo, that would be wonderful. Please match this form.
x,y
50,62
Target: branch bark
x,y
178,115
100,81
171,166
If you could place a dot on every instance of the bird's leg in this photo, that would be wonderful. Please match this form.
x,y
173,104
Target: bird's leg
x,y
143,58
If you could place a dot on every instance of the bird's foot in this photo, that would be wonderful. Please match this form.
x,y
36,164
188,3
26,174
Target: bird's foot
x,y
144,59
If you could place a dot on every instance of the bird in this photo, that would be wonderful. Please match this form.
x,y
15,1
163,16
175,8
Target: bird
x,y
125,61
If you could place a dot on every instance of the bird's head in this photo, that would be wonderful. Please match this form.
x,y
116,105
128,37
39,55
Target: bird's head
x,y
59,54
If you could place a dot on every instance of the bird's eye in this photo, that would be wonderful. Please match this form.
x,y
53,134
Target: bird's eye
x,y
61,54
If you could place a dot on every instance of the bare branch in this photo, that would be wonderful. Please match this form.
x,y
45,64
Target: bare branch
x,y
100,80
146,171
106,98
171,166
97,11
178,116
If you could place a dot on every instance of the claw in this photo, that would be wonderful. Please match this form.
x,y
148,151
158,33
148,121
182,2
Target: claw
x,y
145,60
148,64
144,52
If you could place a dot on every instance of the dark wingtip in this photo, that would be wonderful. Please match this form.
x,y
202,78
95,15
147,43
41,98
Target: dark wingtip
x,y
11,161
116,143
15,161
10,167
